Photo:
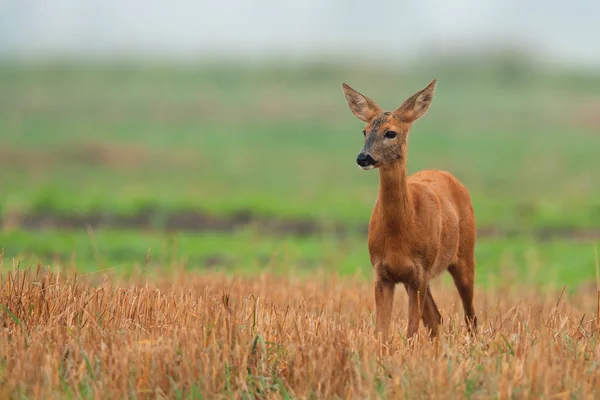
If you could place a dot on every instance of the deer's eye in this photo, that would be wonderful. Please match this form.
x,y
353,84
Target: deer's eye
x,y
390,134
364,133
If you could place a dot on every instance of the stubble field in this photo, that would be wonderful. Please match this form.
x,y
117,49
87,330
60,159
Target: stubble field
x,y
187,335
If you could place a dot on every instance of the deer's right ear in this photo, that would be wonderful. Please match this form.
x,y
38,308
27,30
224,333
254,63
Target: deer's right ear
x,y
363,107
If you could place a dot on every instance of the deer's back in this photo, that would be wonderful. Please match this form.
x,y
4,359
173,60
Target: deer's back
x,y
446,187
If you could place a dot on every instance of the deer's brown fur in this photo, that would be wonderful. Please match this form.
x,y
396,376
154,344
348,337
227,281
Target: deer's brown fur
x,y
421,224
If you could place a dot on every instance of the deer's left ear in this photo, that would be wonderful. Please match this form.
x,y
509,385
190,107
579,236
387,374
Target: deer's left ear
x,y
363,107
416,105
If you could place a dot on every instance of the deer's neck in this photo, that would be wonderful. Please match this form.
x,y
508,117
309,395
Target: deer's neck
x,y
396,211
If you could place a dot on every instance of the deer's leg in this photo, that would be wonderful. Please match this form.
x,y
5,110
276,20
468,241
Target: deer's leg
x,y
463,273
417,297
384,299
431,315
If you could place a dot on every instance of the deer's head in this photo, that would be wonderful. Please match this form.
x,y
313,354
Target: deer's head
x,y
386,131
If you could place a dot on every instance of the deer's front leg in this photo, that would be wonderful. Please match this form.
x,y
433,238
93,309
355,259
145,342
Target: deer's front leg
x,y
384,299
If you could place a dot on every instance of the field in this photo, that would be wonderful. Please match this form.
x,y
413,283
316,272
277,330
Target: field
x,y
234,192
197,336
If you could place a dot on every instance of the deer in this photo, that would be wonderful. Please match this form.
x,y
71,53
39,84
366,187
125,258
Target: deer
x,y
420,226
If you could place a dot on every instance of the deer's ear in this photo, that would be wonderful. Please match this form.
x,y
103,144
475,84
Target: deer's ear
x,y
363,107
416,105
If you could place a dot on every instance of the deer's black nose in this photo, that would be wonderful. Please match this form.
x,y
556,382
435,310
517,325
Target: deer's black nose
x,y
364,160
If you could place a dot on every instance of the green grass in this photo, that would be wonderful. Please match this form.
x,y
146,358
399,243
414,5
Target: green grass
x,y
499,261
283,142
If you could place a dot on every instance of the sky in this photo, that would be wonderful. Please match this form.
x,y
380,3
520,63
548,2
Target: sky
x,y
558,32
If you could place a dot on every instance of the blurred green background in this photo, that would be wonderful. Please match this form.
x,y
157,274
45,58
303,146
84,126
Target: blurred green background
x,y
251,167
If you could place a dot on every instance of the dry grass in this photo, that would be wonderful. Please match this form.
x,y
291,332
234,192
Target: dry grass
x,y
266,337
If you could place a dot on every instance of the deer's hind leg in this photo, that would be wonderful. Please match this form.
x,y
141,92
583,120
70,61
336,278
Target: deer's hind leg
x,y
420,306
463,273
431,315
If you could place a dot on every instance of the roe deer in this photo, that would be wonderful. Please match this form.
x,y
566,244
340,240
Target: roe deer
x,y
421,225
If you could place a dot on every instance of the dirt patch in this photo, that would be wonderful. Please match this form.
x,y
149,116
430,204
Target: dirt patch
x,y
97,154
197,221
588,116
76,153
192,221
